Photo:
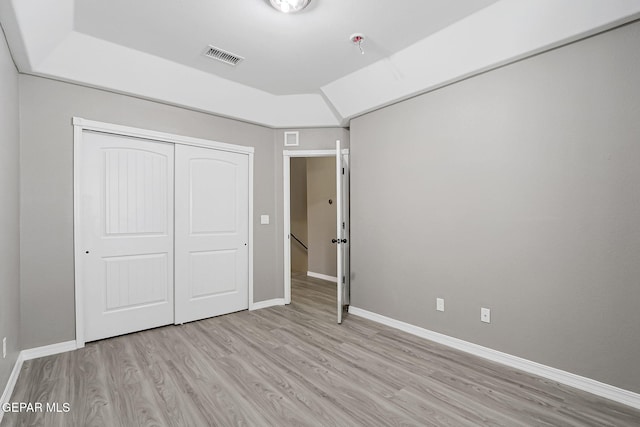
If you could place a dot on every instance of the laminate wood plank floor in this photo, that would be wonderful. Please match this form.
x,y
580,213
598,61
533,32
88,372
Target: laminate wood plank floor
x,y
294,366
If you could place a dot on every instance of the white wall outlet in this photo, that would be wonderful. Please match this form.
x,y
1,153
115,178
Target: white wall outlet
x,y
440,304
4,347
485,315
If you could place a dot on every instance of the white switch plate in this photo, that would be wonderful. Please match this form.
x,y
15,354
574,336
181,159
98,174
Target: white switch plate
x,y
440,304
485,315
4,347
264,219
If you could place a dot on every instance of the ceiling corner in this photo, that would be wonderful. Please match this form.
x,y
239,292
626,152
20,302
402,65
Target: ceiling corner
x,y
35,28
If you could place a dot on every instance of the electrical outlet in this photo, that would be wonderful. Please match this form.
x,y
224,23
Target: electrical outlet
x,y
485,315
440,304
4,347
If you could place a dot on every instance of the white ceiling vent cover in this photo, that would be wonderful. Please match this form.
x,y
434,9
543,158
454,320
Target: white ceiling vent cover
x,y
222,55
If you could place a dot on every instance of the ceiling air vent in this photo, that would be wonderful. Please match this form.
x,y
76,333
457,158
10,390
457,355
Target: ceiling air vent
x,y
222,55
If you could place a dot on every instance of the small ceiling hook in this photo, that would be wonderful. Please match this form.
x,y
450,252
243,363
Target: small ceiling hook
x,y
358,39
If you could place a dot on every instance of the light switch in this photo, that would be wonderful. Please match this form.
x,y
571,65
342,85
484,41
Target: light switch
x,y
264,219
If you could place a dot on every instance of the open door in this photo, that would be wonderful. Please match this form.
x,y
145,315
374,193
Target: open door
x,y
342,227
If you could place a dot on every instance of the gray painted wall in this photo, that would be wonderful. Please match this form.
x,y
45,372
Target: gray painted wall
x,y
321,187
46,108
516,190
9,212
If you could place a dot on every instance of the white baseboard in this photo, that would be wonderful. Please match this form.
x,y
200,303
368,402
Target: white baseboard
x,y
322,276
48,350
582,383
13,379
268,303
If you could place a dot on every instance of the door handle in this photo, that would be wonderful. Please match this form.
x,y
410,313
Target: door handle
x,y
338,241
335,241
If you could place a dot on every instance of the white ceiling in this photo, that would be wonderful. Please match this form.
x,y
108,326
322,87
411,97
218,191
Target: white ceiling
x,y
300,70
285,53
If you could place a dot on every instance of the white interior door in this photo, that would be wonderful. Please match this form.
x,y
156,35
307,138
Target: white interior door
x,y
212,231
126,206
342,228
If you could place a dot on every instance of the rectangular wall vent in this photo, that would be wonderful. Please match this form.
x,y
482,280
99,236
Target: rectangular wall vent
x,y
291,139
222,55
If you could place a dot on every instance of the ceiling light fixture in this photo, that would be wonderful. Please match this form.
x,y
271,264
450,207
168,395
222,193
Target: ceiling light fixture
x,y
290,6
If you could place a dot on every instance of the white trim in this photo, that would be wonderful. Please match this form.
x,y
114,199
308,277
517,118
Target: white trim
x,y
286,219
322,276
312,153
85,124
250,230
589,385
79,126
77,227
268,303
11,384
286,184
48,350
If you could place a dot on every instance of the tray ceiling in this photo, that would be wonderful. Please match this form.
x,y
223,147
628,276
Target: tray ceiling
x,y
298,70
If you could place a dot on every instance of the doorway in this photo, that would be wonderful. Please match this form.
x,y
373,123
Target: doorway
x,y
330,212
313,216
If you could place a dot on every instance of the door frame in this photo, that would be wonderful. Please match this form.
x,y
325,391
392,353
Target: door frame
x,y
286,178
79,126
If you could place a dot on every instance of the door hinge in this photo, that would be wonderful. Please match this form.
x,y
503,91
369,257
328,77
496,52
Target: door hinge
x,y
344,279
342,171
343,225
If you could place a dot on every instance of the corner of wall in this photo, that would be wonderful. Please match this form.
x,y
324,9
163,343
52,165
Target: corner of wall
x,y
9,215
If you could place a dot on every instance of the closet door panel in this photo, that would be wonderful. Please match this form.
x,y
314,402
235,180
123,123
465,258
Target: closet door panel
x,y
212,231
127,234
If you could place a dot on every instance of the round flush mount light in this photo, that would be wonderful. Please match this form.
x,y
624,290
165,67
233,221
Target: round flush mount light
x,y
290,6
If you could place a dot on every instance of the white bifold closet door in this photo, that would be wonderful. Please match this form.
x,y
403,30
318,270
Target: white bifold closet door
x,y
126,204
212,232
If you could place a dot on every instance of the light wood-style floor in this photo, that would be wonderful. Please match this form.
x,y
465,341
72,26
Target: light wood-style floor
x,y
293,366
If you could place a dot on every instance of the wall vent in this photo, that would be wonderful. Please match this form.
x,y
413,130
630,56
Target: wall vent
x,y
291,139
222,55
